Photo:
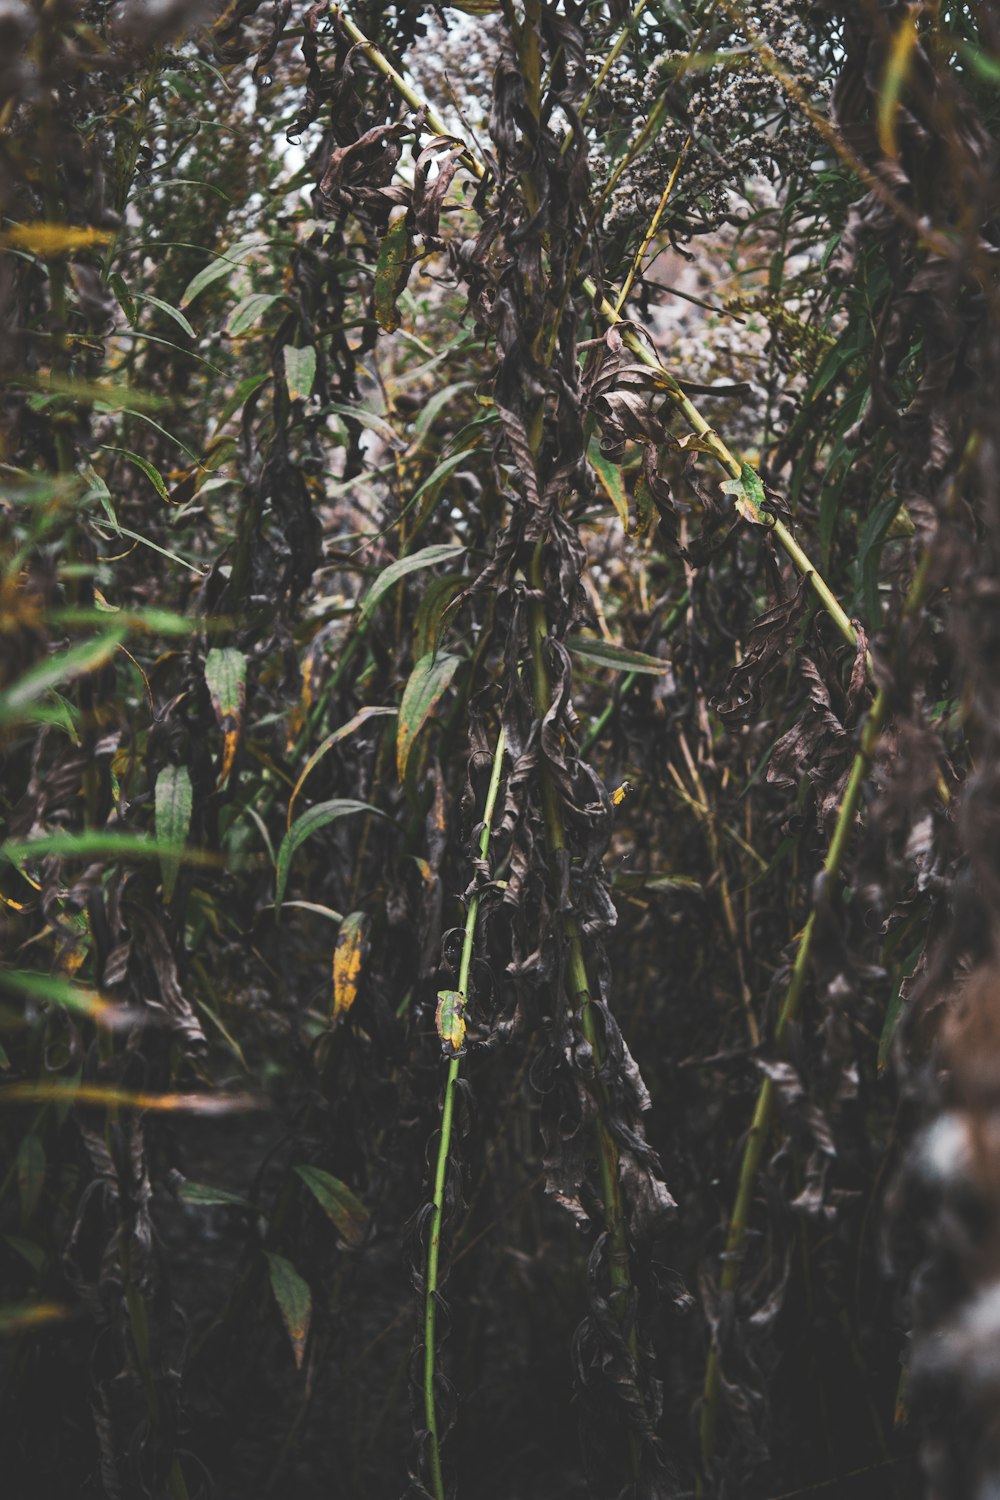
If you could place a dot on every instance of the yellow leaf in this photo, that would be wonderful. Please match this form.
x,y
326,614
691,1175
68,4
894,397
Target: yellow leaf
x,y
53,239
348,961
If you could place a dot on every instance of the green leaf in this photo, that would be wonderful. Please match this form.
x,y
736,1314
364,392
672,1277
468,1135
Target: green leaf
x,y
54,989
311,822
612,481
748,494
294,1301
248,312
202,1195
222,265
300,370
226,676
173,819
123,296
171,312
63,667
427,557
427,685
151,472
450,1020
392,271
367,418
618,658
346,1212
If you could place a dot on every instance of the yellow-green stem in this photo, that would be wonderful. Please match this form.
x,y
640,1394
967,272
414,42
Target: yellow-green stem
x,y
444,1146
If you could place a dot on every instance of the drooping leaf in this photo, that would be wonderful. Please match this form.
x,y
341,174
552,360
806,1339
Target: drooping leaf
x,y
171,312
173,820
392,270
619,658
294,1301
300,370
361,717
311,822
151,472
345,1211
427,685
450,1020
226,676
427,557
349,955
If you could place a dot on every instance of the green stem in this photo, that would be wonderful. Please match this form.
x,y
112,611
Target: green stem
x,y
444,1145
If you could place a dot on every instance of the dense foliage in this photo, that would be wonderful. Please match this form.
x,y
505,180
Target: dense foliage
x,y
500,715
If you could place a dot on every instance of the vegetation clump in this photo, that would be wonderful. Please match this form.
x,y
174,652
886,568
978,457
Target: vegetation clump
x,y
501,742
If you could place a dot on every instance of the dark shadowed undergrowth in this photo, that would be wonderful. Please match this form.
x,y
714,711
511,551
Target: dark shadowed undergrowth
x,y
500,716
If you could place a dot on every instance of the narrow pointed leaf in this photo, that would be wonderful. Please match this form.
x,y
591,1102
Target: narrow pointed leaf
x,y
226,676
294,1301
173,820
618,658
202,1195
